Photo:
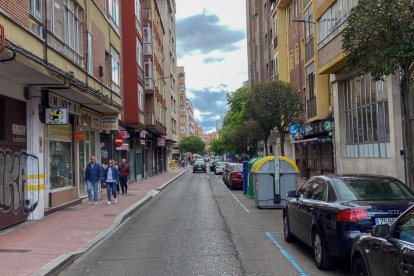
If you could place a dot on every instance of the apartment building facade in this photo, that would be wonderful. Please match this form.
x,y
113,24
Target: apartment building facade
x,y
368,122
60,98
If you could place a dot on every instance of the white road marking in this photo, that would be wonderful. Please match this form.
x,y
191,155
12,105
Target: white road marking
x,y
241,204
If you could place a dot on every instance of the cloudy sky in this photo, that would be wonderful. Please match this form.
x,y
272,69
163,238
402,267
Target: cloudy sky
x,y
211,45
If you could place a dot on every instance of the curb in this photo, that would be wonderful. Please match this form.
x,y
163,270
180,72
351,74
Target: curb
x,y
61,262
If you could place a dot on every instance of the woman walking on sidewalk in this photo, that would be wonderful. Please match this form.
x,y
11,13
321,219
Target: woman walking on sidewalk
x,y
111,177
123,170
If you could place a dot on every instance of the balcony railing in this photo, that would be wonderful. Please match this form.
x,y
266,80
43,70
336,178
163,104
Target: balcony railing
x,y
140,72
275,42
309,50
149,84
311,107
149,119
147,49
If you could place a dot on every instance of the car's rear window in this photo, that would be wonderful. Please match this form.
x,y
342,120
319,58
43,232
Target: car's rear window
x,y
237,168
371,189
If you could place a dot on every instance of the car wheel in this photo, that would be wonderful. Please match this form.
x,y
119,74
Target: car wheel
x,y
319,251
359,268
286,230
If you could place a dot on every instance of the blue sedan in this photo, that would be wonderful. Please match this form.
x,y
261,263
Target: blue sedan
x,y
328,212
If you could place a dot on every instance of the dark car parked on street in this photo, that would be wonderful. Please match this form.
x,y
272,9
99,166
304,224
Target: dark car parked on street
x,y
234,177
328,212
388,251
199,166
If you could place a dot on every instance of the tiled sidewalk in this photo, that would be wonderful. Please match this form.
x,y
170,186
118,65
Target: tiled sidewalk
x,y
35,245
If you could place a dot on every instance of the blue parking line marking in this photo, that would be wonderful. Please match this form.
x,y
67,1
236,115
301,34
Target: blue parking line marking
x,y
241,204
286,254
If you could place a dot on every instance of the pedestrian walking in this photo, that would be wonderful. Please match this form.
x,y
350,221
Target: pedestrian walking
x,y
111,178
93,173
123,170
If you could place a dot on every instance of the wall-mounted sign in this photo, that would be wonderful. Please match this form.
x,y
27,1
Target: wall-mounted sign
x,y
56,116
109,122
61,132
79,135
88,119
57,101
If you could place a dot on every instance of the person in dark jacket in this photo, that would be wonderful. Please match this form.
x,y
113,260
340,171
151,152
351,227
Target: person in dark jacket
x,y
111,178
123,170
93,173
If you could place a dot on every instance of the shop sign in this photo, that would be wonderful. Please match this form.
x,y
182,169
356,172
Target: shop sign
x,y
59,132
109,122
57,101
161,142
18,129
79,135
88,119
56,116
123,147
123,133
316,128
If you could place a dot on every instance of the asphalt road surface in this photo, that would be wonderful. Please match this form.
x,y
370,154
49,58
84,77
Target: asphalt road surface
x,y
196,226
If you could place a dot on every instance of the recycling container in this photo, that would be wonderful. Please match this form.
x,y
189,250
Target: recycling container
x,y
273,177
250,182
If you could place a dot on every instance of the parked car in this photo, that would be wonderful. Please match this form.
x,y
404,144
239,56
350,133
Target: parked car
x,y
213,164
328,212
389,250
199,165
219,168
226,171
235,176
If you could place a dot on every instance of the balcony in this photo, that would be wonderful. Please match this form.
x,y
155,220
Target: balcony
x,y
149,85
311,107
149,119
146,14
148,49
140,72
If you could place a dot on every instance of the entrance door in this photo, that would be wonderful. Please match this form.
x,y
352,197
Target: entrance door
x,y
87,148
138,166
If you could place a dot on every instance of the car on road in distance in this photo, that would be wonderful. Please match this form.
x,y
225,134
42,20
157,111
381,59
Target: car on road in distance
x,y
235,176
328,212
199,166
389,250
213,164
219,168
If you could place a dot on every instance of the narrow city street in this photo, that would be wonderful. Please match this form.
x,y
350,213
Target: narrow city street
x,y
196,226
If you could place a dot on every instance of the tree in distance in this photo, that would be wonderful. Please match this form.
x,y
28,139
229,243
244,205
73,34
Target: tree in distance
x,y
274,104
192,144
379,39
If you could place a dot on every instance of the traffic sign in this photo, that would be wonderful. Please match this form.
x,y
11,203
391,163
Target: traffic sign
x,y
119,140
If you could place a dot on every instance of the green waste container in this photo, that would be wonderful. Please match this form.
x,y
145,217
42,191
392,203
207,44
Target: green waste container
x,y
250,181
273,177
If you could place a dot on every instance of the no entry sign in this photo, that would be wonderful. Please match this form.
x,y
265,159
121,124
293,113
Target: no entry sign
x,y
119,140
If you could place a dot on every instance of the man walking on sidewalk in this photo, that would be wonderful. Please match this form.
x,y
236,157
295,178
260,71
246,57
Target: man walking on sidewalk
x,y
123,170
93,173
111,178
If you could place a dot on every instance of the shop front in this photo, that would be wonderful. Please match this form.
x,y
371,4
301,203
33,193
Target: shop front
x,y
87,136
60,158
314,148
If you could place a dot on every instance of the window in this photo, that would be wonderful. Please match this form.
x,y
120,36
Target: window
x,y
114,12
319,190
90,57
138,10
366,117
182,129
305,191
290,16
332,21
291,61
296,55
310,91
139,53
141,97
36,9
182,108
404,229
309,48
182,97
64,21
182,118
115,70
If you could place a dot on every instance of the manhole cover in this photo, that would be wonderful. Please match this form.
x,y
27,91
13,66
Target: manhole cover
x,y
7,250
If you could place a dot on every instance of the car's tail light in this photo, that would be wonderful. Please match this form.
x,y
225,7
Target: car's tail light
x,y
351,215
236,175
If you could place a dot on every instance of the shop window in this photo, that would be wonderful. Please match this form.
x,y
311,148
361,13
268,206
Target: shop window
x,y
60,154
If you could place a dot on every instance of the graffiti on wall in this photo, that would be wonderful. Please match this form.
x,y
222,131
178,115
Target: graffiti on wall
x,y
15,167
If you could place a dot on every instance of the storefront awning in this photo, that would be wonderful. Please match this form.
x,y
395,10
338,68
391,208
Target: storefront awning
x,y
323,139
